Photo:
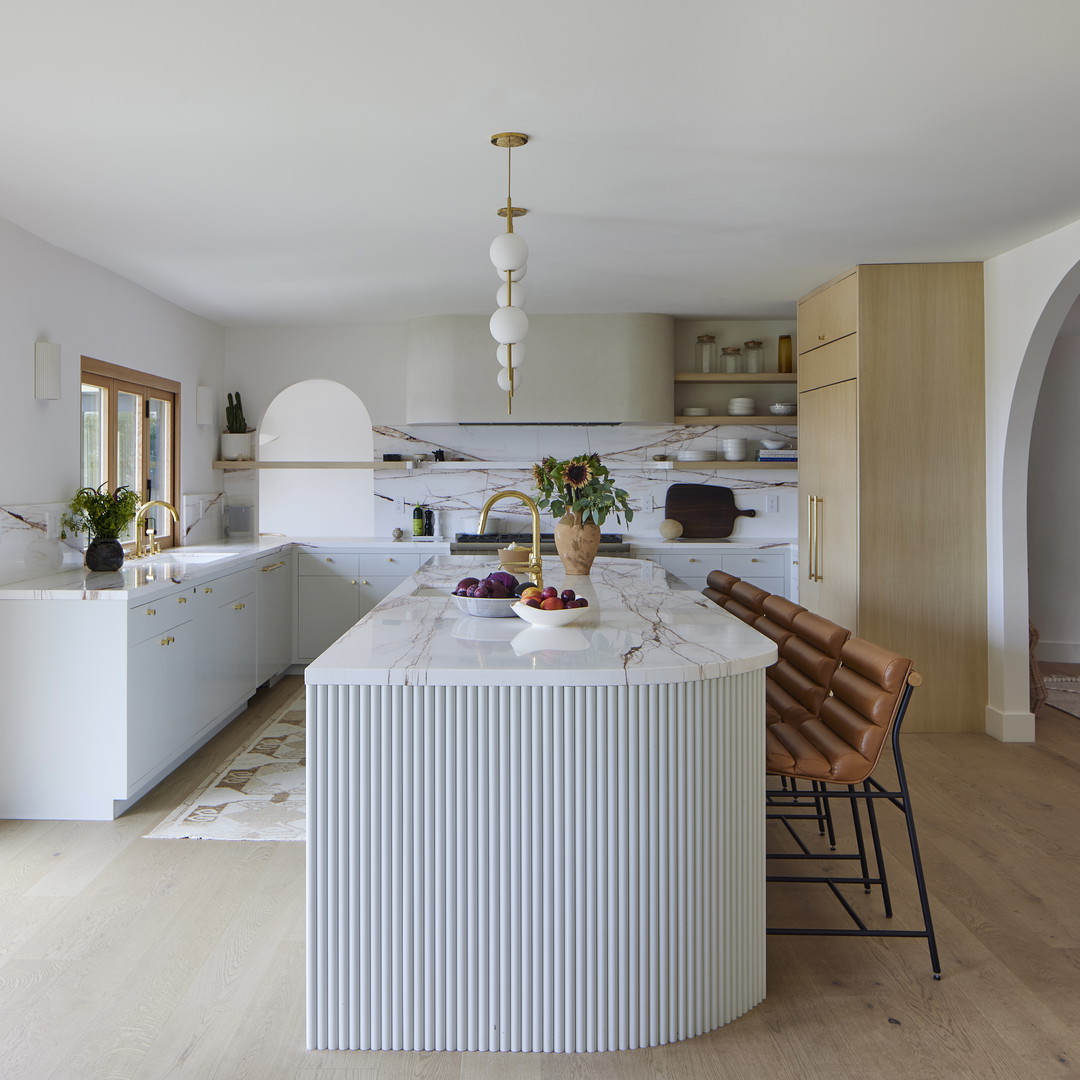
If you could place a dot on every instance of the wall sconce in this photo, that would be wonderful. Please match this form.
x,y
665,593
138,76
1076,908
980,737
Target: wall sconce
x,y
46,370
204,405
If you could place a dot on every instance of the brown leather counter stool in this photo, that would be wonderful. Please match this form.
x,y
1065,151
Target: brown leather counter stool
x,y
838,750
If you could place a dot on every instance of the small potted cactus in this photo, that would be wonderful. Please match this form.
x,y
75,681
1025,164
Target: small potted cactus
x,y
236,441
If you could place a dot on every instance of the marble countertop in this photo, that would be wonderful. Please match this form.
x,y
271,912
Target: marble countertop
x,y
149,578
643,626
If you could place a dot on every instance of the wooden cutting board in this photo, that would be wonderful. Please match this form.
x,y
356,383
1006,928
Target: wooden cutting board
x,y
704,511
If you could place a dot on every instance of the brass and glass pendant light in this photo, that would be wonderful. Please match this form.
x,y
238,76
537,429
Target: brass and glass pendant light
x,y
509,254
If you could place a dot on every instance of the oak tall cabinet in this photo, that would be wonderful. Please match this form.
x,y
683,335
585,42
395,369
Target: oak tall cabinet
x,y
891,473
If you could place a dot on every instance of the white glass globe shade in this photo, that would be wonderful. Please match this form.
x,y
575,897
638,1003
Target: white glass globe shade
x,y
517,275
509,325
508,252
504,379
505,295
503,355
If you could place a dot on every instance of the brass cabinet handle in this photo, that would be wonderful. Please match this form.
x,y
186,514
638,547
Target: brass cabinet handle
x,y
274,566
181,599
691,560
364,581
167,640
208,589
328,559
238,607
811,537
821,337
752,559
389,558
151,611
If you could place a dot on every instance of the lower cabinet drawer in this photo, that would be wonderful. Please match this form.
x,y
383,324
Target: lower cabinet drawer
x,y
749,566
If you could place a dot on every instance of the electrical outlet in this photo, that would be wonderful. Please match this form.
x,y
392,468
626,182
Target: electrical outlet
x,y
772,504
650,503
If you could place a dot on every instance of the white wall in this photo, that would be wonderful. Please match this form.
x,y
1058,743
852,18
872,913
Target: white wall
x,y
369,359
1029,292
51,295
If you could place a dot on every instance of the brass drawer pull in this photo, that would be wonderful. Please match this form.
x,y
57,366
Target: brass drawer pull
x,y
151,611
208,589
239,607
167,640
328,559
181,599
274,566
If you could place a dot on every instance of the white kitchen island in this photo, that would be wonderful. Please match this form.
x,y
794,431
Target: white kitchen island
x,y
533,839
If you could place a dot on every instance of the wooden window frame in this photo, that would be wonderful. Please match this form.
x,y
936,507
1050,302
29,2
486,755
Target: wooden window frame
x,y
114,378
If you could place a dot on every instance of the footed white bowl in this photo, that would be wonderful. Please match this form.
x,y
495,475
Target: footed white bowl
x,y
543,617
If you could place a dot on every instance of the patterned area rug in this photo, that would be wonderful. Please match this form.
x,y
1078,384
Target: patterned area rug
x,y
1063,692
259,795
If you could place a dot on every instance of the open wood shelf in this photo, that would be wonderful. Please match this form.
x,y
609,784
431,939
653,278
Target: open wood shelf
x,y
756,421
737,377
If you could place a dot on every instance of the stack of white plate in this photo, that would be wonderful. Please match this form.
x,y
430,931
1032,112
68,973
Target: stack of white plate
x,y
741,406
697,455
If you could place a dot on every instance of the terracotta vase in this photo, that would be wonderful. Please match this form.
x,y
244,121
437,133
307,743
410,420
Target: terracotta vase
x,y
576,543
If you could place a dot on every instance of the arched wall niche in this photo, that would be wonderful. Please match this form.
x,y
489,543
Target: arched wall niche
x,y
316,420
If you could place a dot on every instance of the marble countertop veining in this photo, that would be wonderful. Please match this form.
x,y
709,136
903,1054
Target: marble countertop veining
x,y
643,626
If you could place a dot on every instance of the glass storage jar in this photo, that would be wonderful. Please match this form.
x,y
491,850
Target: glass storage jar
x,y
754,357
732,359
705,353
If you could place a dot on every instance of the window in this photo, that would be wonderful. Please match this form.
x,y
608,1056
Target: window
x,y
130,426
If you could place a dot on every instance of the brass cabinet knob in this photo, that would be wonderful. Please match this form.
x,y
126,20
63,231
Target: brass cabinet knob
x,y
238,607
167,640
389,558
181,599
208,589
328,559
691,560
151,611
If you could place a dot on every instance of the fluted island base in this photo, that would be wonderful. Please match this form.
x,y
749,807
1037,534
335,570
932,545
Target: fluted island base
x,y
534,867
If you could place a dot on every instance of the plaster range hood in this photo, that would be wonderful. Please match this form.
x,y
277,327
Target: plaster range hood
x,y
580,369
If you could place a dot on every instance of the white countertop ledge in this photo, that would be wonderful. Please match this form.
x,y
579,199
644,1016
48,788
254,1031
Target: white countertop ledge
x,y
643,626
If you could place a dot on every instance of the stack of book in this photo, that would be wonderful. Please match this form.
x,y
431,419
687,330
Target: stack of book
x,y
778,455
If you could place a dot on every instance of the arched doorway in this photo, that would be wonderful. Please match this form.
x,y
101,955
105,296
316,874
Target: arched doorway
x,y
322,421
1030,292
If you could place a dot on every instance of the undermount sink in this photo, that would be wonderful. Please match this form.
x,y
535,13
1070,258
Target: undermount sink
x,y
181,555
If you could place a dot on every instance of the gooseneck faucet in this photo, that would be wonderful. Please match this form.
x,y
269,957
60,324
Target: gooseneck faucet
x,y
145,540
533,567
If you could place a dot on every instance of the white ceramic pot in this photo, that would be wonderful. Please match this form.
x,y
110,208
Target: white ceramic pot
x,y
237,447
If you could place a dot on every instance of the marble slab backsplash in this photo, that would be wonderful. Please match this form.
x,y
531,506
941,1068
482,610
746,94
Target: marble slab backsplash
x,y
29,542
29,533
457,495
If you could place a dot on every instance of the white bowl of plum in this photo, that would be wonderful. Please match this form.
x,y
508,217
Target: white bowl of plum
x,y
490,598
549,607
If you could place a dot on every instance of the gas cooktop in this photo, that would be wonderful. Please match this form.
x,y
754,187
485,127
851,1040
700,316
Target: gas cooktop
x,y
502,539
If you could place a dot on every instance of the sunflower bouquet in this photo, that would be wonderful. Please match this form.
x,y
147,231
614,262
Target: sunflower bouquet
x,y
581,486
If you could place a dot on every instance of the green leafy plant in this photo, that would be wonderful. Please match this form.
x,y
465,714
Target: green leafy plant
x,y
101,513
582,486
235,424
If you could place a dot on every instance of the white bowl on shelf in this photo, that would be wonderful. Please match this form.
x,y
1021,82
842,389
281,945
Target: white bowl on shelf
x,y
545,618
783,408
486,609
697,455
695,410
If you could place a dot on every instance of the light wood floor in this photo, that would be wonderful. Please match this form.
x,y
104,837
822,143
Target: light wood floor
x,y
129,958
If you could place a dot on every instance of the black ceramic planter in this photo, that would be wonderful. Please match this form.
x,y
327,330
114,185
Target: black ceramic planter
x,y
104,554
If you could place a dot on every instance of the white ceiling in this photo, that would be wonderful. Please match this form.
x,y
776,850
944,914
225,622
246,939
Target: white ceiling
x,y
305,161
